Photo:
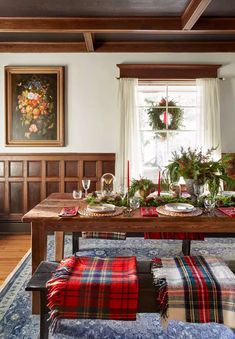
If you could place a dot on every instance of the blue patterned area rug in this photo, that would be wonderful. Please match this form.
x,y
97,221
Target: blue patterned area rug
x,y
16,321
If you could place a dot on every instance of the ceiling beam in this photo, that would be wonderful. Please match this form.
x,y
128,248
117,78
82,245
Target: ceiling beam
x,y
127,46
166,46
95,25
214,25
193,12
42,47
89,41
147,25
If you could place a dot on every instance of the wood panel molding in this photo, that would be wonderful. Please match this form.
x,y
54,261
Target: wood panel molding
x,y
26,179
168,71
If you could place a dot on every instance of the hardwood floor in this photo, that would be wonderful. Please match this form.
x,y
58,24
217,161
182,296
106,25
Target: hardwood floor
x,y
12,249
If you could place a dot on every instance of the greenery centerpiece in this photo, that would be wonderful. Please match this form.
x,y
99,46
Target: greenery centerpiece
x,y
158,118
143,185
200,168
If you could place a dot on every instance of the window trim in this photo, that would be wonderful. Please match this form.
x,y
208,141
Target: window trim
x,y
168,71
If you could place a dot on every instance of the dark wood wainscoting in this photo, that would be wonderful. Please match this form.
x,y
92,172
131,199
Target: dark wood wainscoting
x,y
26,179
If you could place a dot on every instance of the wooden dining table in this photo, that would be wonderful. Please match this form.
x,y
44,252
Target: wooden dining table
x,y
44,219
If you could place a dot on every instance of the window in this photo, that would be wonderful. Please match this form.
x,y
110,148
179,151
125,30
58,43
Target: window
x,y
175,110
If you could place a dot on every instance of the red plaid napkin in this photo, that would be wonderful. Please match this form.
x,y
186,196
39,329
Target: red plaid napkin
x,y
148,212
95,288
68,211
230,211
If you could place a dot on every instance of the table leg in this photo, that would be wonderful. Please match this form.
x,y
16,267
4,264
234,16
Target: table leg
x,y
39,250
59,246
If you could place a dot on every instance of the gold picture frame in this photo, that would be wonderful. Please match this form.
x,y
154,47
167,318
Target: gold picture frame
x,y
34,106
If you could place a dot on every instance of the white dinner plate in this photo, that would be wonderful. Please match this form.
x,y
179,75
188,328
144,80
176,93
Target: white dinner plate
x,y
228,193
101,208
179,207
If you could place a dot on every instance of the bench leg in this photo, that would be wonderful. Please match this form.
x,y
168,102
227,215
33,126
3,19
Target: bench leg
x,y
186,246
44,316
75,245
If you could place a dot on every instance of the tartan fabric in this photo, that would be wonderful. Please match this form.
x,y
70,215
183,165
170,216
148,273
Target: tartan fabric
x,y
195,289
93,287
230,211
148,212
104,235
173,235
152,212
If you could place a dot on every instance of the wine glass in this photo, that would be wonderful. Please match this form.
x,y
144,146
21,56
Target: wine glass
x,y
209,204
122,192
198,190
77,194
86,185
134,203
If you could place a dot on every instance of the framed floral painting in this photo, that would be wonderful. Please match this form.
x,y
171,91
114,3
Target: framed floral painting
x,y
34,106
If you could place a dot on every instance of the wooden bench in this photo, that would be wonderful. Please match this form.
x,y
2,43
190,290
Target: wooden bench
x,y
147,302
147,292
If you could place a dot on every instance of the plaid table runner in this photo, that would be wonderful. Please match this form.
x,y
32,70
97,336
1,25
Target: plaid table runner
x,y
104,235
92,287
195,289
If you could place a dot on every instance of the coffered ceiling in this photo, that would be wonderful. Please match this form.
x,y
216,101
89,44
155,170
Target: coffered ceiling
x,y
117,26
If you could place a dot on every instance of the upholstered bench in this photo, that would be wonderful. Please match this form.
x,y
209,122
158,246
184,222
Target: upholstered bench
x,y
147,292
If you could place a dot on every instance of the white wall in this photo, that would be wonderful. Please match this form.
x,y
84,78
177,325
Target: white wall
x,y
91,113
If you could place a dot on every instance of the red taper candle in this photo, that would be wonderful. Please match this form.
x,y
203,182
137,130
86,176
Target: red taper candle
x,y
159,184
165,118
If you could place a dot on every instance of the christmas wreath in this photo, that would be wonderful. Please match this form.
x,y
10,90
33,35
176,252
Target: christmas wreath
x,y
160,120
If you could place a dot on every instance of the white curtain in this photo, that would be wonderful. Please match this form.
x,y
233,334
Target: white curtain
x,y
128,139
210,133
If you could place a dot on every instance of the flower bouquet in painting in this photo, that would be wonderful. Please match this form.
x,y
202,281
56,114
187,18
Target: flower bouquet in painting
x,y
36,108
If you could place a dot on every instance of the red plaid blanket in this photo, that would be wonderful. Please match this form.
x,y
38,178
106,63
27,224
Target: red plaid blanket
x,y
152,212
104,235
92,287
173,235
195,289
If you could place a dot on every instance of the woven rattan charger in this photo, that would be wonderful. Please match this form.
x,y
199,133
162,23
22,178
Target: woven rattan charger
x,y
85,213
195,212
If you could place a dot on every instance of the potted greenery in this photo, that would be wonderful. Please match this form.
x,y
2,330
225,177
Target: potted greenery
x,y
143,185
199,168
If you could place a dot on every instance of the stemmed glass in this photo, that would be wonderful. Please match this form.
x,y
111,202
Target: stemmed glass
x,y
209,204
198,190
122,192
134,203
86,185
